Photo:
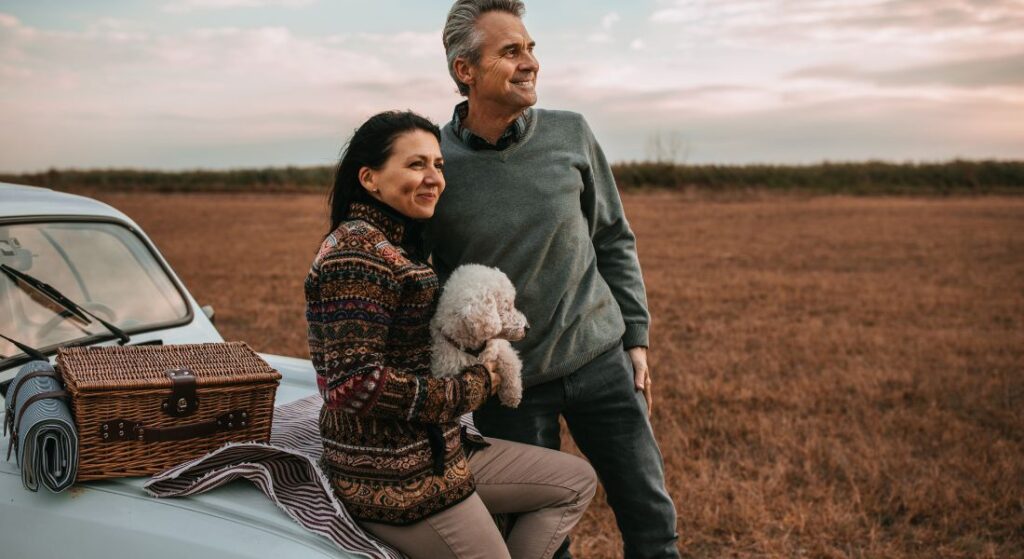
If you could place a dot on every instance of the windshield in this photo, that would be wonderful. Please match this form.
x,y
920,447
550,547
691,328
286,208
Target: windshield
x,y
102,267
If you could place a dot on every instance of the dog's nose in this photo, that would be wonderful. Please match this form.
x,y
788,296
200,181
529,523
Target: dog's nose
x,y
526,330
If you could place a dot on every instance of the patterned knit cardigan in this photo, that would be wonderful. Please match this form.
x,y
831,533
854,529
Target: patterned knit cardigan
x,y
393,449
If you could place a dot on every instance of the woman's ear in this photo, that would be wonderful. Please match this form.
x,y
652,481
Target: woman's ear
x,y
368,178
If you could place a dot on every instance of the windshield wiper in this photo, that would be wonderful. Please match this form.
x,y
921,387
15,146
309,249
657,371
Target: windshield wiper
x,y
21,279
27,350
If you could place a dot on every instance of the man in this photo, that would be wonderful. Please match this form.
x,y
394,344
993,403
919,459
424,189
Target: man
x,y
529,191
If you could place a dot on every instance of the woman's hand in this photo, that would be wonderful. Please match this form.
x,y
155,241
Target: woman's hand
x,y
495,377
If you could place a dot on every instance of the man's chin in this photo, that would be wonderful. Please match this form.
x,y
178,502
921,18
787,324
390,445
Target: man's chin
x,y
527,101
522,96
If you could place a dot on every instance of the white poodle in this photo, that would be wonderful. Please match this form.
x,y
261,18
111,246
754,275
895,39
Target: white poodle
x,y
475,320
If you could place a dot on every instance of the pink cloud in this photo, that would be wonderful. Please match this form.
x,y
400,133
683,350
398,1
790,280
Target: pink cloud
x,y
184,6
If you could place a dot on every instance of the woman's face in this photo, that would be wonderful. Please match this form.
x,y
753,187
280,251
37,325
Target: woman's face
x,y
411,180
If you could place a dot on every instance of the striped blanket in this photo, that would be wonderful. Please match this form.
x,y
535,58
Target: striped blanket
x,y
287,472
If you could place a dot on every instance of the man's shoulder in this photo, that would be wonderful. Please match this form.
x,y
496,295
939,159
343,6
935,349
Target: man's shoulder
x,y
558,115
562,124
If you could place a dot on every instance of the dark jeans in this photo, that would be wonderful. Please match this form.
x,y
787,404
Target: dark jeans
x,y
608,420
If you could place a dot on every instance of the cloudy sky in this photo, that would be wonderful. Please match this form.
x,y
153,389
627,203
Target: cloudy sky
x,y
234,83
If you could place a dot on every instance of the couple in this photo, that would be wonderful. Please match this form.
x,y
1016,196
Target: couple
x,y
527,191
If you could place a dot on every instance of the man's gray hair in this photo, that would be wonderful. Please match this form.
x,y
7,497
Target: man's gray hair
x,y
460,36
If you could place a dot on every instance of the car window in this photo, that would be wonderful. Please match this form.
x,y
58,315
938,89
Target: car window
x,y
103,267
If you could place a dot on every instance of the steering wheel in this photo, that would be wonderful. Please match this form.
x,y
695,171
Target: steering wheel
x,y
102,310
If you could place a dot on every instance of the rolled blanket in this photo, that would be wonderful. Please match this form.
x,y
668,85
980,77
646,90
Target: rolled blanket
x,y
43,436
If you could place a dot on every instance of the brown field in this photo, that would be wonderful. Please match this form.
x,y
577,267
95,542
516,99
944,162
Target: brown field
x,y
834,377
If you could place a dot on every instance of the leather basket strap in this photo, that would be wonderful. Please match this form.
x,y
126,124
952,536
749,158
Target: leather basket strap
x,y
116,430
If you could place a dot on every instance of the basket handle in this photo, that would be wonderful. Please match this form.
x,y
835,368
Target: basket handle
x,y
116,430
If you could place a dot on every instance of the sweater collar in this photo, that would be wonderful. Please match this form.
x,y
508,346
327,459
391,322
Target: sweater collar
x,y
512,134
393,224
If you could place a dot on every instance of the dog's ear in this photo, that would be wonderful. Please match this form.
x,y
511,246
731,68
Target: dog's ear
x,y
477,322
492,319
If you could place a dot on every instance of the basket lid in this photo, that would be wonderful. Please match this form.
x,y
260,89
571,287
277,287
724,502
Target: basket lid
x,y
88,369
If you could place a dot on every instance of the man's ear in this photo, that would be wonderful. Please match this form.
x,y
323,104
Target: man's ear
x,y
464,71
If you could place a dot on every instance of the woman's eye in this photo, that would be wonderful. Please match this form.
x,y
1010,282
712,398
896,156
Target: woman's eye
x,y
439,166
416,164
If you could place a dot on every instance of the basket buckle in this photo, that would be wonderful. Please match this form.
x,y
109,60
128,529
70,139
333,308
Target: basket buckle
x,y
183,400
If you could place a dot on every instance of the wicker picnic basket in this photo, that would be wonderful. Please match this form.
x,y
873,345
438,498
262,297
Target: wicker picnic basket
x,y
142,409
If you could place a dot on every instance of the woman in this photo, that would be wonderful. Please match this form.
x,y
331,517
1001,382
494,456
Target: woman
x,y
393,448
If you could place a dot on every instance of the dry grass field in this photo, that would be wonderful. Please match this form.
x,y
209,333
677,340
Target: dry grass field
x,y
834,377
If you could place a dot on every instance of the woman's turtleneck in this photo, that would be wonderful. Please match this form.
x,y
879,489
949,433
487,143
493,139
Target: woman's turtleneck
x,y
400,229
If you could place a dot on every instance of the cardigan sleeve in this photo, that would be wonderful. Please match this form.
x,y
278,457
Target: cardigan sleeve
x,y
614,242
350,303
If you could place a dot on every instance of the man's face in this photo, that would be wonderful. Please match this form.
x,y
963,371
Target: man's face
x,y
507,72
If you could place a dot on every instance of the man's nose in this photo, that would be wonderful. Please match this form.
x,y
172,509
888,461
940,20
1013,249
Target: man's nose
x,y
530,63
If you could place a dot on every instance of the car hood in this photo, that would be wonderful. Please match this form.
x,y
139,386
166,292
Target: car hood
x,y
118,518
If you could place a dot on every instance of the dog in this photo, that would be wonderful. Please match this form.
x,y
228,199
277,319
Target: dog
x,y
474,322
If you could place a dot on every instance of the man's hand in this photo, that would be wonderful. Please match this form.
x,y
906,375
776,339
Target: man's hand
x,y
642,374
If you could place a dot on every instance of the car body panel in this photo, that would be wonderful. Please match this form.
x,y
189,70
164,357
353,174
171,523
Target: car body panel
x,y
20,201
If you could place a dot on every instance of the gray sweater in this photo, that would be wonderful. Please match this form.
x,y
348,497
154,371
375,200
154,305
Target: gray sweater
x,y
546,212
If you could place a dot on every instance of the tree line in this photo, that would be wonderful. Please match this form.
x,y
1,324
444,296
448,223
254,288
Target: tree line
x,y
870,177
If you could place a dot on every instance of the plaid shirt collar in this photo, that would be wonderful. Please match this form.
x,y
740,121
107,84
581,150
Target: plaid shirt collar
x,y
512,134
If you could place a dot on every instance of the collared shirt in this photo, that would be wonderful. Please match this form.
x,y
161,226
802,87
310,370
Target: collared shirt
x,y
511,135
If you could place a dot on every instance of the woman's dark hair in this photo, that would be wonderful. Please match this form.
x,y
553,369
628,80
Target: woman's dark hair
x,y
370,146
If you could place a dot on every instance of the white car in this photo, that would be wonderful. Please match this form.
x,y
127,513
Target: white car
x,y
100,259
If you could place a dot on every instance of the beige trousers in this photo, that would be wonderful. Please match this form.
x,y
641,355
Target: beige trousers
x,y
549,489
